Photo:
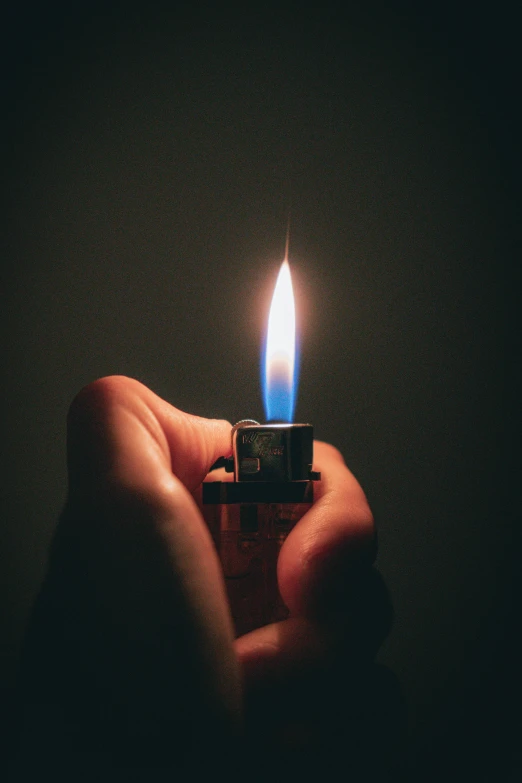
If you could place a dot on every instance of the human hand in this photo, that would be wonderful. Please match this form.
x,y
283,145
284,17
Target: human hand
x,y
131,645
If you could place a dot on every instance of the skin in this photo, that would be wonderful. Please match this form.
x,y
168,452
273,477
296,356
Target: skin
x,y
131,646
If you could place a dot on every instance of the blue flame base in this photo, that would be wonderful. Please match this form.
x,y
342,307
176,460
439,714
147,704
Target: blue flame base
x,y
279,401
279,397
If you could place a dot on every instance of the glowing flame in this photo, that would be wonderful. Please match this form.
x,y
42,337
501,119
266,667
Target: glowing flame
x,y
280,362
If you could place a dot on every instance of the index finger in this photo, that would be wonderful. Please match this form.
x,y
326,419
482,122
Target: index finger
x,y
103,426
334,535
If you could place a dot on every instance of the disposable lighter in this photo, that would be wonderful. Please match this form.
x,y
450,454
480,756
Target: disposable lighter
x,y
251,516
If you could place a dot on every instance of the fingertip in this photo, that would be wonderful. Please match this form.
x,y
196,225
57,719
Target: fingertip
x,y
195,444
278,649
326,453
219,437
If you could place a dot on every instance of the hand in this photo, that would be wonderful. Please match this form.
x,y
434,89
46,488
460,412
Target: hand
x,y
131,646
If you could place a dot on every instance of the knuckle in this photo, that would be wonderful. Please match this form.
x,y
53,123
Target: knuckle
x,y
366,518
366,533
99,395
350,538
362,522
367,527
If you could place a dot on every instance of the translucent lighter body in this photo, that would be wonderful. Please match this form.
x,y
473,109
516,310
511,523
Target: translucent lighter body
x,y
248,538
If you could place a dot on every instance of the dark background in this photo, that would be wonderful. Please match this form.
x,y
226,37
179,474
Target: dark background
x,y
150,155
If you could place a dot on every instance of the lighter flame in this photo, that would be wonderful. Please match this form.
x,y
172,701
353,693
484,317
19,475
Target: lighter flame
x,y
280,356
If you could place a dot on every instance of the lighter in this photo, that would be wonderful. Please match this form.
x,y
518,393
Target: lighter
x,y
251,516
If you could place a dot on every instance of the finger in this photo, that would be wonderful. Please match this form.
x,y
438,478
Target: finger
x,y
299,645
126,449
304,685
149,557
188,445
274,651
334,536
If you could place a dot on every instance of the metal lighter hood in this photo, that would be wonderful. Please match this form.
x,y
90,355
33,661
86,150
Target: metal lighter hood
x,y
272,452
272,463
